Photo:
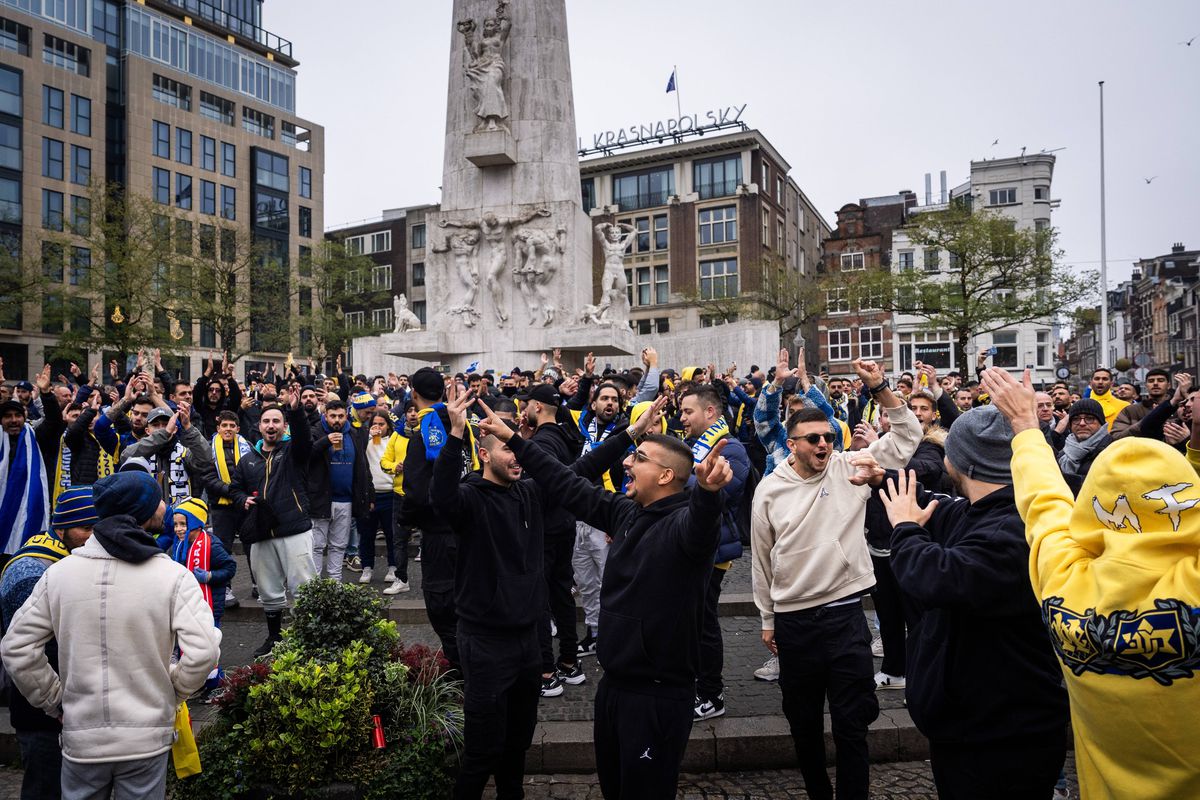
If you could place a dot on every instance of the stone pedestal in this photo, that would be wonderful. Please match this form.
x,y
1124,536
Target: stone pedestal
x,y
490,148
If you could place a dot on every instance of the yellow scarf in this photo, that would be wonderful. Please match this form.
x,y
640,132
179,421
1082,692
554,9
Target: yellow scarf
x,y
218,448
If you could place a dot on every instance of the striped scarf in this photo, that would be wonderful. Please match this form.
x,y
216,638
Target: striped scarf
x,y
197,555
241,448
42,545
707,440
24,495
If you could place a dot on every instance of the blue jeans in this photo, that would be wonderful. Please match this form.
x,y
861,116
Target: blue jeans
x,y
378,519
41,756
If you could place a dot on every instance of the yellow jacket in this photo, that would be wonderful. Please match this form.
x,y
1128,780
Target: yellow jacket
x,y
1118,578
393,455
1111,404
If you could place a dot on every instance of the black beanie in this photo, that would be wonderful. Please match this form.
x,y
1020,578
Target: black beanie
x,y
428,384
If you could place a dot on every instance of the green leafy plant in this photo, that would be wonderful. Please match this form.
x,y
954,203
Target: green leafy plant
x,y
329,616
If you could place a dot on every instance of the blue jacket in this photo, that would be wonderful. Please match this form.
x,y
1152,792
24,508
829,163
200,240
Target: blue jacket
x,y
730,546
221,567
770,429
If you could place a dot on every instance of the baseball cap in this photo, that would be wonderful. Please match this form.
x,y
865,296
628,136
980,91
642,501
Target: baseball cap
x,y
541,392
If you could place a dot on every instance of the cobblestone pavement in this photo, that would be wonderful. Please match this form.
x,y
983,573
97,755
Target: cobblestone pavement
x,y
905,781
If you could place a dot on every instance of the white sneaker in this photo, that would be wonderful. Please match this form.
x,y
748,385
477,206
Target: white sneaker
x,y
366,575
396,588
390,576
877,646
769,671
885,681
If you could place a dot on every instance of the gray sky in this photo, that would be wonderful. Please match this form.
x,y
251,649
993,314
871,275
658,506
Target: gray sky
x,y
861,102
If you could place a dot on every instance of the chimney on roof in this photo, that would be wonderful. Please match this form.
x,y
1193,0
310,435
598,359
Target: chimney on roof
x,y
945,197
928,189
1177,248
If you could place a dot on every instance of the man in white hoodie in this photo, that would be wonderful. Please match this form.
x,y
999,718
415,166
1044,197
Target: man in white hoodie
x,y
117,608
811,567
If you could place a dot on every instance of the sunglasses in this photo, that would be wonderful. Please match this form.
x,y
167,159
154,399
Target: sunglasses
x,y
642,458
813,438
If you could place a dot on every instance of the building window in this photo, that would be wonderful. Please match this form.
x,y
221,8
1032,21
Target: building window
x,y
294,135
1040,225
81,216
229,245
304,301
853,261
642,287
14,36
418,309
1043,345
779,230
1041,193
717,177
779,190
52,159
766,178
81,264
718,225
81,115
216,108
183,237
648,189
271,212
660,232
52,261
418,237
208,197
208,241
588,192
183,146
10,91
870,298
932,348
305,218
228,160
173,93
642,240
52,107
271,170
837,300
713,320
208,154
162,186
955,261
354,320
304,261
905,259
1005,345
183,191
81,165
381,242
381,276
932,259
418,274
718,279
1002,197
162,139
839,345
766,230
258,122
52,210
66,55
306,185
229,202
10,201
870,343
662,286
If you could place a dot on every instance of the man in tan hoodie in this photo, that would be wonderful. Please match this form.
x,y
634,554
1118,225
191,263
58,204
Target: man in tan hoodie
x,y
811,568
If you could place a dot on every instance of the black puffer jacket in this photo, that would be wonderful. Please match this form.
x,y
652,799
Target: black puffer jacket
x,y
279,478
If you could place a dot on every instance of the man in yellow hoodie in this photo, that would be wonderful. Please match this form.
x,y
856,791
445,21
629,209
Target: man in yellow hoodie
x,y
1101,392
1118,578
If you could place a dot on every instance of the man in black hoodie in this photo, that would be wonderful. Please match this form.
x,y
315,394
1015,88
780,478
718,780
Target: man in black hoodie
x,y
540,407
983,682
664,537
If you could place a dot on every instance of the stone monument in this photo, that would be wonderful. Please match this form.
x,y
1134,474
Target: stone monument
x,y
511,220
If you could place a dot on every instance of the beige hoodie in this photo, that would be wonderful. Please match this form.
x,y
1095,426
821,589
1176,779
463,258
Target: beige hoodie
x,y
807,535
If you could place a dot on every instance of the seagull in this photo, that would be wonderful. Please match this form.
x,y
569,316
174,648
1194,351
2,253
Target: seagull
x,y
1149,180
995,143
1188,43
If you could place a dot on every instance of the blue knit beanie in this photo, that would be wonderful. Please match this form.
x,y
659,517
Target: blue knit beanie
x,y
134,493
74,508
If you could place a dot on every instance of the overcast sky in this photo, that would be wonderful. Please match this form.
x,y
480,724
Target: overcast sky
x,y
863,99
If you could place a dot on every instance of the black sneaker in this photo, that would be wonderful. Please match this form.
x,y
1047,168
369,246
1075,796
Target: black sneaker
x,y
572,674
587,645
552,686
707,709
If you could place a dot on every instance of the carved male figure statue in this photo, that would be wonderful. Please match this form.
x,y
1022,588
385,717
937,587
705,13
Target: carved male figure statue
x,y
537,263
493,229
614,298
485,68
465,246
405,320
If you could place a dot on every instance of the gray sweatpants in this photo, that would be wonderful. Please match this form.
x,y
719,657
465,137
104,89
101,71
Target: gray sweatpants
x,y
141,779
281,565
334,534
591,551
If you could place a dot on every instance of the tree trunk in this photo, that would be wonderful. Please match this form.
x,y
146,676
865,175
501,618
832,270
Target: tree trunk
x,y
960,356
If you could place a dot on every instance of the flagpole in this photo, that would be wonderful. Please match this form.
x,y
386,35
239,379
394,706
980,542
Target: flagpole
x,y
1103,337
678,104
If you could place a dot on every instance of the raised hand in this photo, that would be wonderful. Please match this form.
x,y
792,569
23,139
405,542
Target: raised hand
x,y
782,371
649,357
1015,400
589,364
184,412
75,370
558,358
713,473
899,497
865,432
457,403
866,469
650,418
173,424
1183,384
545,360
1174,433
870,372
492,425
42,382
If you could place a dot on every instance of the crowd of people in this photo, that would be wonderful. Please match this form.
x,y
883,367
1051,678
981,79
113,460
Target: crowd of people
x,y
1011,541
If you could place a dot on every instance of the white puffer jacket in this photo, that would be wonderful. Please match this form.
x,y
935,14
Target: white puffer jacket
x,y
116,624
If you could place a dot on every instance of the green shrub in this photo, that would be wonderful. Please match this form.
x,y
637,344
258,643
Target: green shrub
x,y
413,767
330,615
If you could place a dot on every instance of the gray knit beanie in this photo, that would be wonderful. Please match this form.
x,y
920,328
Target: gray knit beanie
x,y
980,445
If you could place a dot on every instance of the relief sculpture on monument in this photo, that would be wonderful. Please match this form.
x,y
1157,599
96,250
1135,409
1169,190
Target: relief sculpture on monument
x,y
485,68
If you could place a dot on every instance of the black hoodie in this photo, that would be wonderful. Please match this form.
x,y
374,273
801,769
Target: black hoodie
x,y
554,440
655,578
124,539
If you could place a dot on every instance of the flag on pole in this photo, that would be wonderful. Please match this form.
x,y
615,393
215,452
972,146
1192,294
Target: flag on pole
x,y
671,83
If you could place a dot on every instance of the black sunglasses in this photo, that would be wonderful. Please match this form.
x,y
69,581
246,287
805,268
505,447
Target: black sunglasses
x,y
813,438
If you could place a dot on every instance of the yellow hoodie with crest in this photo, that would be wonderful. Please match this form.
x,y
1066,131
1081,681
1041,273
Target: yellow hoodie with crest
x,y
1117,573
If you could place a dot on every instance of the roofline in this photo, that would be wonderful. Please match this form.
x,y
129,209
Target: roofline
x,y
670,152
